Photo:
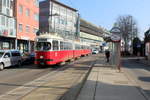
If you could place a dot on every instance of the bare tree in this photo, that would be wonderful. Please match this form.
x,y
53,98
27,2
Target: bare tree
x,y
128,28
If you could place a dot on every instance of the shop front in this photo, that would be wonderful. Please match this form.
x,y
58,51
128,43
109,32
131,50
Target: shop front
x,y
7,43
25,46
7,32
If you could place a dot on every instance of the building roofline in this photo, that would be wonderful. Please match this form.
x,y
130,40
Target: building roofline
x,y
63,5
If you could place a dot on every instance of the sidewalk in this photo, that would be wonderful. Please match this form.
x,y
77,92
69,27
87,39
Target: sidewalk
x,y
106,83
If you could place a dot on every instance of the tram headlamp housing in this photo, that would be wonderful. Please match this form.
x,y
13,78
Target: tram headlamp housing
x,y
41,57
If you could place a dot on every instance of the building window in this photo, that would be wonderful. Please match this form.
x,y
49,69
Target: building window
x,y
55,7
36,3
3,20
4,2
0,5
5,45
36,17
11,4
27,29
20,28
20,9
8,12
8,3
7,21
63,10
27,12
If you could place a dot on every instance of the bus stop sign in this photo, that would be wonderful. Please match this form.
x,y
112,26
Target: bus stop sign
x,y
116,34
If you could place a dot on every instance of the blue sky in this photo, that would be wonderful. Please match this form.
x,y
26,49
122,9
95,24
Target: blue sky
x,y
105,12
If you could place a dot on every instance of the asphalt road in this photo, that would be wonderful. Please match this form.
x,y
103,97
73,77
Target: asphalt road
x,y
138,72
14,77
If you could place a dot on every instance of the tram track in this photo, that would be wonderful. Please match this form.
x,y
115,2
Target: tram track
x,y
37,83
29,84
13,77
71,88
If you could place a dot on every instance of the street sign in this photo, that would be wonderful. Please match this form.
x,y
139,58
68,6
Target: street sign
x,y
115,37
115,30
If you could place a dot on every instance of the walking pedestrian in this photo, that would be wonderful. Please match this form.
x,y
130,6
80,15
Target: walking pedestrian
x,y
107,54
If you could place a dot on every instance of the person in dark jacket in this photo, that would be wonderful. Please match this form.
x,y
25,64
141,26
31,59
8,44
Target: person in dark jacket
x,y
107,54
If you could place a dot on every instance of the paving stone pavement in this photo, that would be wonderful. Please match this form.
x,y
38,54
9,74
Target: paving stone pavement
x,y
107,83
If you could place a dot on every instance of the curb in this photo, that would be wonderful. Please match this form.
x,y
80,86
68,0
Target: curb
x,y
73,93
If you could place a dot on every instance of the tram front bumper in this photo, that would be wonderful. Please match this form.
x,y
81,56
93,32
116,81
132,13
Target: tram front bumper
x,y
43,61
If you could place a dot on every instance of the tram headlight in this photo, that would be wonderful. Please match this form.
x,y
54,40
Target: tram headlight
x,y
41,57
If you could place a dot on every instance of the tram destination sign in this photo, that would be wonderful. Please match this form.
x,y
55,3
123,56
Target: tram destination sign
x,y
42,40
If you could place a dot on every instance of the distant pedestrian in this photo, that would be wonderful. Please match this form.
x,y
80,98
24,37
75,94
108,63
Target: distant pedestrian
x,y
107,54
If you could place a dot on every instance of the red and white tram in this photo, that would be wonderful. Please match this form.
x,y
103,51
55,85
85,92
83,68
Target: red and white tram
x,y
51,49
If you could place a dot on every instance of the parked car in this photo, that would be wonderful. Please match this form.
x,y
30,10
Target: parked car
x,y
94,51
10,58
28,58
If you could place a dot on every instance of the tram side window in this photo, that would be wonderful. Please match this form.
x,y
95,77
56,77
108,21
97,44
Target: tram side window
x,y
43,46
61,46
82,46
64,46
69,46
77,47
15,54
86,47
55,45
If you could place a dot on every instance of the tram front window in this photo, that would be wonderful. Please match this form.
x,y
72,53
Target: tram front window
x,y
43,46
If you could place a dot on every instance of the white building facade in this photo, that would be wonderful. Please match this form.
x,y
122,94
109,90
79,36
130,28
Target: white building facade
x,y
7,25
59,18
